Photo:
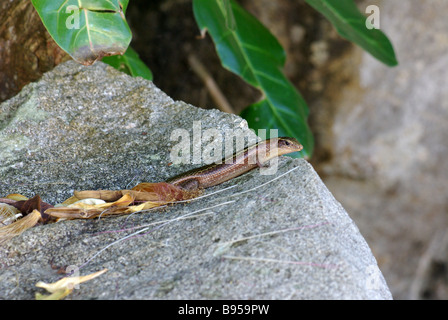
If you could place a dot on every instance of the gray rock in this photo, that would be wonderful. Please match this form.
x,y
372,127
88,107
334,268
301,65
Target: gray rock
x,y
282,236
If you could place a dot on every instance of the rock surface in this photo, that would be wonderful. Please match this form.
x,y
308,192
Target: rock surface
x,y
95,128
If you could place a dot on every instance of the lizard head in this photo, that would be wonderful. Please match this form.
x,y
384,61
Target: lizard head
x,y
288,145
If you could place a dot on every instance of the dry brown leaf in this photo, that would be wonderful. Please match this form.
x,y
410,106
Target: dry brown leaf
x,y
107,195
86,211
65,286
124,201
88,203
68,202
160,191
144,206
72,213
58,295
14,229
8,214
35,203
16,196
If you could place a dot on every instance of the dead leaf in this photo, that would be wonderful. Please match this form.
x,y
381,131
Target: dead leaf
x,y
35,203
144,206
68,202
8,214
16,196
88,203
87,211
61,288
107,195
18,227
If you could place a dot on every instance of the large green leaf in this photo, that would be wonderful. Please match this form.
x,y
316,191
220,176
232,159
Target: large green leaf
x,y
130,63
248,49
86,29
351,24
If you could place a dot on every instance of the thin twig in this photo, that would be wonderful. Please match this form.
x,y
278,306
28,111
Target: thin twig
x,y
275,232
303,263
218,97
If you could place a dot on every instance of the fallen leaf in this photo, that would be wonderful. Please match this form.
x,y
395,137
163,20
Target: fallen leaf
x,y
63,287
35,203
88,203
58,295
87,211
8,214
67,202
14,229
16,196
107,195
144,206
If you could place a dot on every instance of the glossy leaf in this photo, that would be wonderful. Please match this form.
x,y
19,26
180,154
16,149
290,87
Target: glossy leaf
x,y
130,63
351,25
259,116
86,29
248,49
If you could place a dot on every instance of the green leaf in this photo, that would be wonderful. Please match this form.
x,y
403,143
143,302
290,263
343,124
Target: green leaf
x,y
351,25
130,63
248,49
86,29
259,116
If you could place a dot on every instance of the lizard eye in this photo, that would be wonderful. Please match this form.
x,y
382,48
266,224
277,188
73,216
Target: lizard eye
x,y
284,143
